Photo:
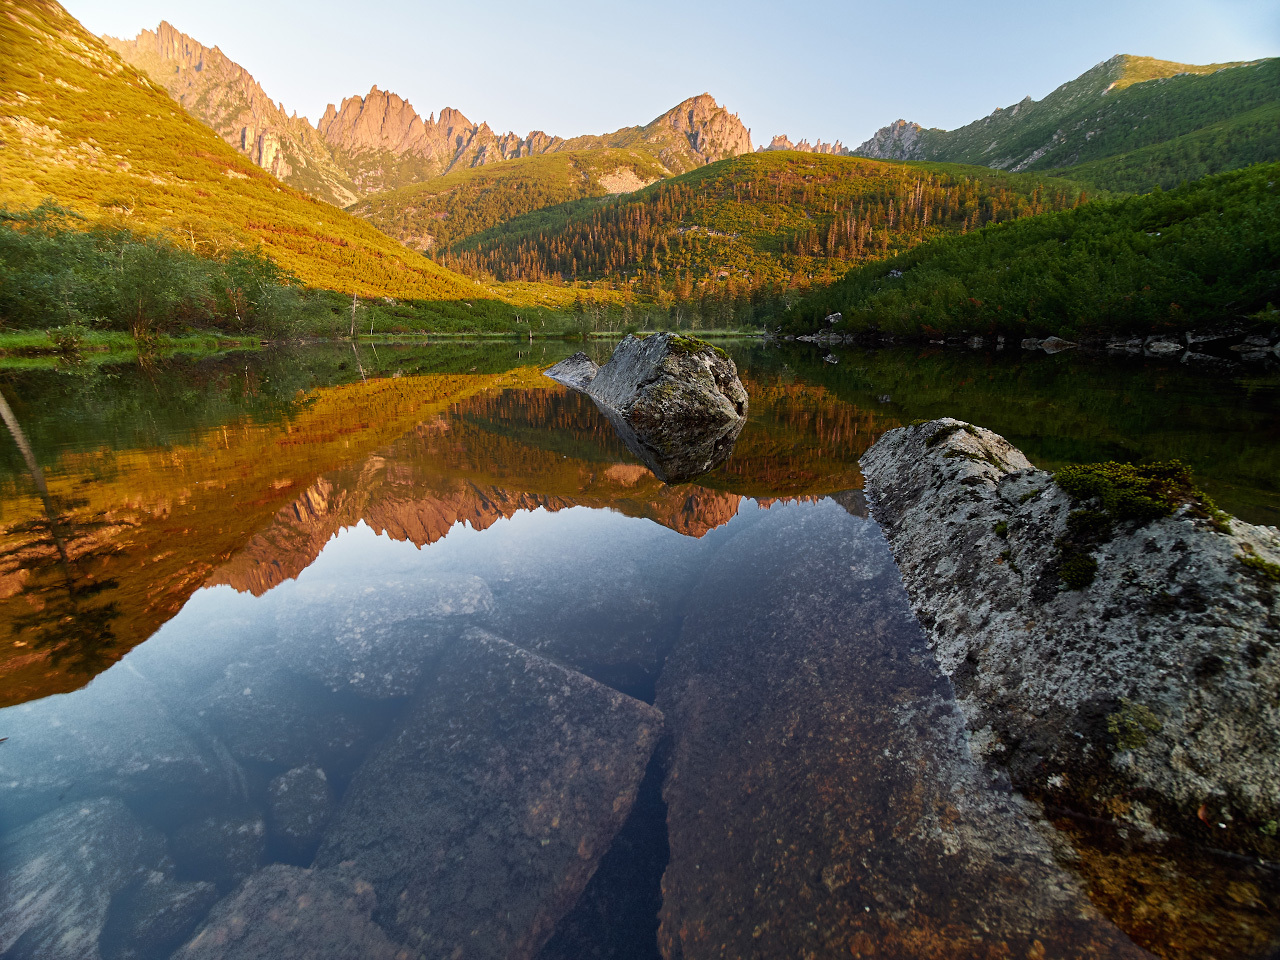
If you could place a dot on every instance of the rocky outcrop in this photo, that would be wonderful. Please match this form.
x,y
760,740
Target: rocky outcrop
x,y
709,133
821,797
783,142
287,913
225,97
1126,669
675,401
489,808
900,140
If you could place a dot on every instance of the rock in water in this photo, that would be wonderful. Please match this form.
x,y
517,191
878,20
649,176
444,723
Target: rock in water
x,y
480,821
300,803
821,798
153,916
577,371
287,913
676,402
1148,694
59,873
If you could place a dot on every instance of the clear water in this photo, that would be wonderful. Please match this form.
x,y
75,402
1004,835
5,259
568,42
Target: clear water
x,y
315,653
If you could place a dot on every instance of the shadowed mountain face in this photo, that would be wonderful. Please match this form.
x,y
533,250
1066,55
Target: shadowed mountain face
x,y
378,141
253,504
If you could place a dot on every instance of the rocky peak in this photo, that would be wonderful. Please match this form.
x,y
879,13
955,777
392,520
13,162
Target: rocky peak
x,y
783,142
900,140
711,131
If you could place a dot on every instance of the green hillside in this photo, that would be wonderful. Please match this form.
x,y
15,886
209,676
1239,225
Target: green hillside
x,y
1204,253
761,222
1135,108
81,127
447,209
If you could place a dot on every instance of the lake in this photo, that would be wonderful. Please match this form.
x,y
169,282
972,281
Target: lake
x,y
398,651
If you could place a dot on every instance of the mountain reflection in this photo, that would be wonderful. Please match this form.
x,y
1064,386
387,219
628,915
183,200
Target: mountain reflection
x,y
251,504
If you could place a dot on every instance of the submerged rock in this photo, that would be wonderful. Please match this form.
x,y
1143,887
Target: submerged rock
x,y
59,873
222,850
676,402
821,797
490,807
1148,692
299,803
288,913
153,916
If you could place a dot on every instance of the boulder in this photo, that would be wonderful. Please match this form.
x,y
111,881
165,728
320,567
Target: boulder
x,y
153,916
821,797
1120,668
299,804
1056,345
59,873
577,371
288,913
488,809
1032,343
1162,348
676,401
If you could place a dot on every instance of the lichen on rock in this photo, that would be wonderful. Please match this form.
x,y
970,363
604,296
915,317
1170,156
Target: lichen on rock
x,y
1144,688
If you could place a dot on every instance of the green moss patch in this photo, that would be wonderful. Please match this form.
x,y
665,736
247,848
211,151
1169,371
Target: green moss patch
x,y
1132,725
691,345
1269,570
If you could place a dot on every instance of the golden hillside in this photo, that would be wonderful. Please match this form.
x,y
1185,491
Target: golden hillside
x,y
80,126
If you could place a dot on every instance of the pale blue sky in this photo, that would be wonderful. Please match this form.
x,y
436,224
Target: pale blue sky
x,y
819,70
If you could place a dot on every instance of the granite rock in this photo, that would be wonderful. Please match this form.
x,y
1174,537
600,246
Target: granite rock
x,y
151,917
1150,695
299,804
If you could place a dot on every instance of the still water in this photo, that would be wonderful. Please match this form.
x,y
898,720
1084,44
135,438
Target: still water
x,y
401,653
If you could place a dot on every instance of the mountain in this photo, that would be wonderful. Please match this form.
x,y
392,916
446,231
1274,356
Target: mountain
x,y
85,129
444,210
379,142
1191,121
783,142
221,93
776,220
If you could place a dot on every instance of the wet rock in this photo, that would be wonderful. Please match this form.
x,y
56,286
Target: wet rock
x,y
299,804
490,807
266,715
151,917
288,913
576,371
1147,695
821,797
222,850
1161,348
676,401
115,736
378,640
1032,343
59,873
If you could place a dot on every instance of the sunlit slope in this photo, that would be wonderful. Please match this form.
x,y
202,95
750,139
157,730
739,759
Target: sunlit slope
x,y
85,129
439,213
1168,121
776,218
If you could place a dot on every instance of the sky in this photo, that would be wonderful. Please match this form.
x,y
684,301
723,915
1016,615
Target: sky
x,y
820,70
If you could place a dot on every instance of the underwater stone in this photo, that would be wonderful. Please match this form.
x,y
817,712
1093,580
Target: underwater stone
x,y
59,873
822,800
153,916
299,804
1148,696
492,804
221,850
288,913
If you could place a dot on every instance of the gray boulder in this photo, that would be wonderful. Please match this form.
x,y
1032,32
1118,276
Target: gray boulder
x,y
299,804
288,913
492,804
1148,695
821,797
59,874
151,917
676,402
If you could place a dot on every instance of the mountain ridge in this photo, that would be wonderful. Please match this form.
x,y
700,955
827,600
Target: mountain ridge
x,y
1123,104
377,142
